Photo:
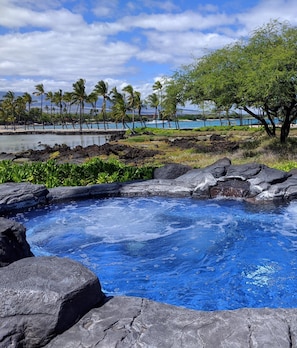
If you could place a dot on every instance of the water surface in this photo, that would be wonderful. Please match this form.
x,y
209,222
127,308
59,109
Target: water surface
x,y
22,142
207,255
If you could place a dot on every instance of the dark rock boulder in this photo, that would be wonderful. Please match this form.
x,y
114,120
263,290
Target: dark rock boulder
x,y
44,296
194,176
21,196
67,193
13,243
230,188
269,175
218,168
266,184
243,171
171,171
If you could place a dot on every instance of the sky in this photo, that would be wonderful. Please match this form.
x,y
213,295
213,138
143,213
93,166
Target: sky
x,y
57,42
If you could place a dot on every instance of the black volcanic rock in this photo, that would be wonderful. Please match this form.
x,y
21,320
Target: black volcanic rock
x,y
41,297
13,243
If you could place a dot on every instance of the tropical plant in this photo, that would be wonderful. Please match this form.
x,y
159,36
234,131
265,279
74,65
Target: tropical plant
x,y
119,107
101,88
51,174
138,104
40,93
58,100
92,98
130,101
172,99
79,97
153,102
9,105
50,96
28,101
157,86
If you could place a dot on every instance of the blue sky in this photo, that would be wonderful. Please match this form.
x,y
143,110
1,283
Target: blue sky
x,y
56,42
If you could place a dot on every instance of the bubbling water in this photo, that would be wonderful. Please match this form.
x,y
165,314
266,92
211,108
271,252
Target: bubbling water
x,y
206,255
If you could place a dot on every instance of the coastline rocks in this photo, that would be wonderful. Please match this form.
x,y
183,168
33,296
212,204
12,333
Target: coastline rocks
x,y
21,196
43,296
171,171
13,243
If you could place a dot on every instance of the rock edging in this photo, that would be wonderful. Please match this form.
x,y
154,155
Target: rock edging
x,y
252,182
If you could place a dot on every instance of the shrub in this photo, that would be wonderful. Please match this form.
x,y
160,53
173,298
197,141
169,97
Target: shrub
x,y
51,174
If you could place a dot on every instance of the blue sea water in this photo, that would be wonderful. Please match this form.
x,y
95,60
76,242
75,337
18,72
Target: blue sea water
x,y
206,255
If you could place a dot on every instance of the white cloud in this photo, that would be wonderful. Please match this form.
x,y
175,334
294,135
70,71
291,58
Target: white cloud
x,y
265,11
105,8
179,48
188,20
57,45
17,17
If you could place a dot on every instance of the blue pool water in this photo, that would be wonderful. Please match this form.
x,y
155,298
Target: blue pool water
x,y
207,255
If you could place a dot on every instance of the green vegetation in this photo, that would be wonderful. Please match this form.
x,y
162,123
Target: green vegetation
x,y
201,147
257,76
51,174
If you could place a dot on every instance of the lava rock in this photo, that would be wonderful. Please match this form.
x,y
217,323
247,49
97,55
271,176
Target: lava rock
x,y
13,243
134,322
44,296
171,171
21,196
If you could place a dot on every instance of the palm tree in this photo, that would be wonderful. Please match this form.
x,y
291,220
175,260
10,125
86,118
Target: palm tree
x,y
130,101
92,98
67,98
20,109
40,93
153,102
28,100
58,100
101,88
3,113
119,108
50,96
158,87
9,104
79,97
138,104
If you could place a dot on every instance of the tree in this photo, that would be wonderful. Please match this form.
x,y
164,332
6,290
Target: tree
x,y
257,75
28,101
67,99
79,97
9,105
119,107
138,104
92,98
40,93
173,98
20,109
130,101
101,88
50,96
58,100
153,102
157,86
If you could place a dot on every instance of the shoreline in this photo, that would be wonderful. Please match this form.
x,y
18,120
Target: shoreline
x,y
17,131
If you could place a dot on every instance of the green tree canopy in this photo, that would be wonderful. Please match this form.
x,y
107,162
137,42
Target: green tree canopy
x,y
258,75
